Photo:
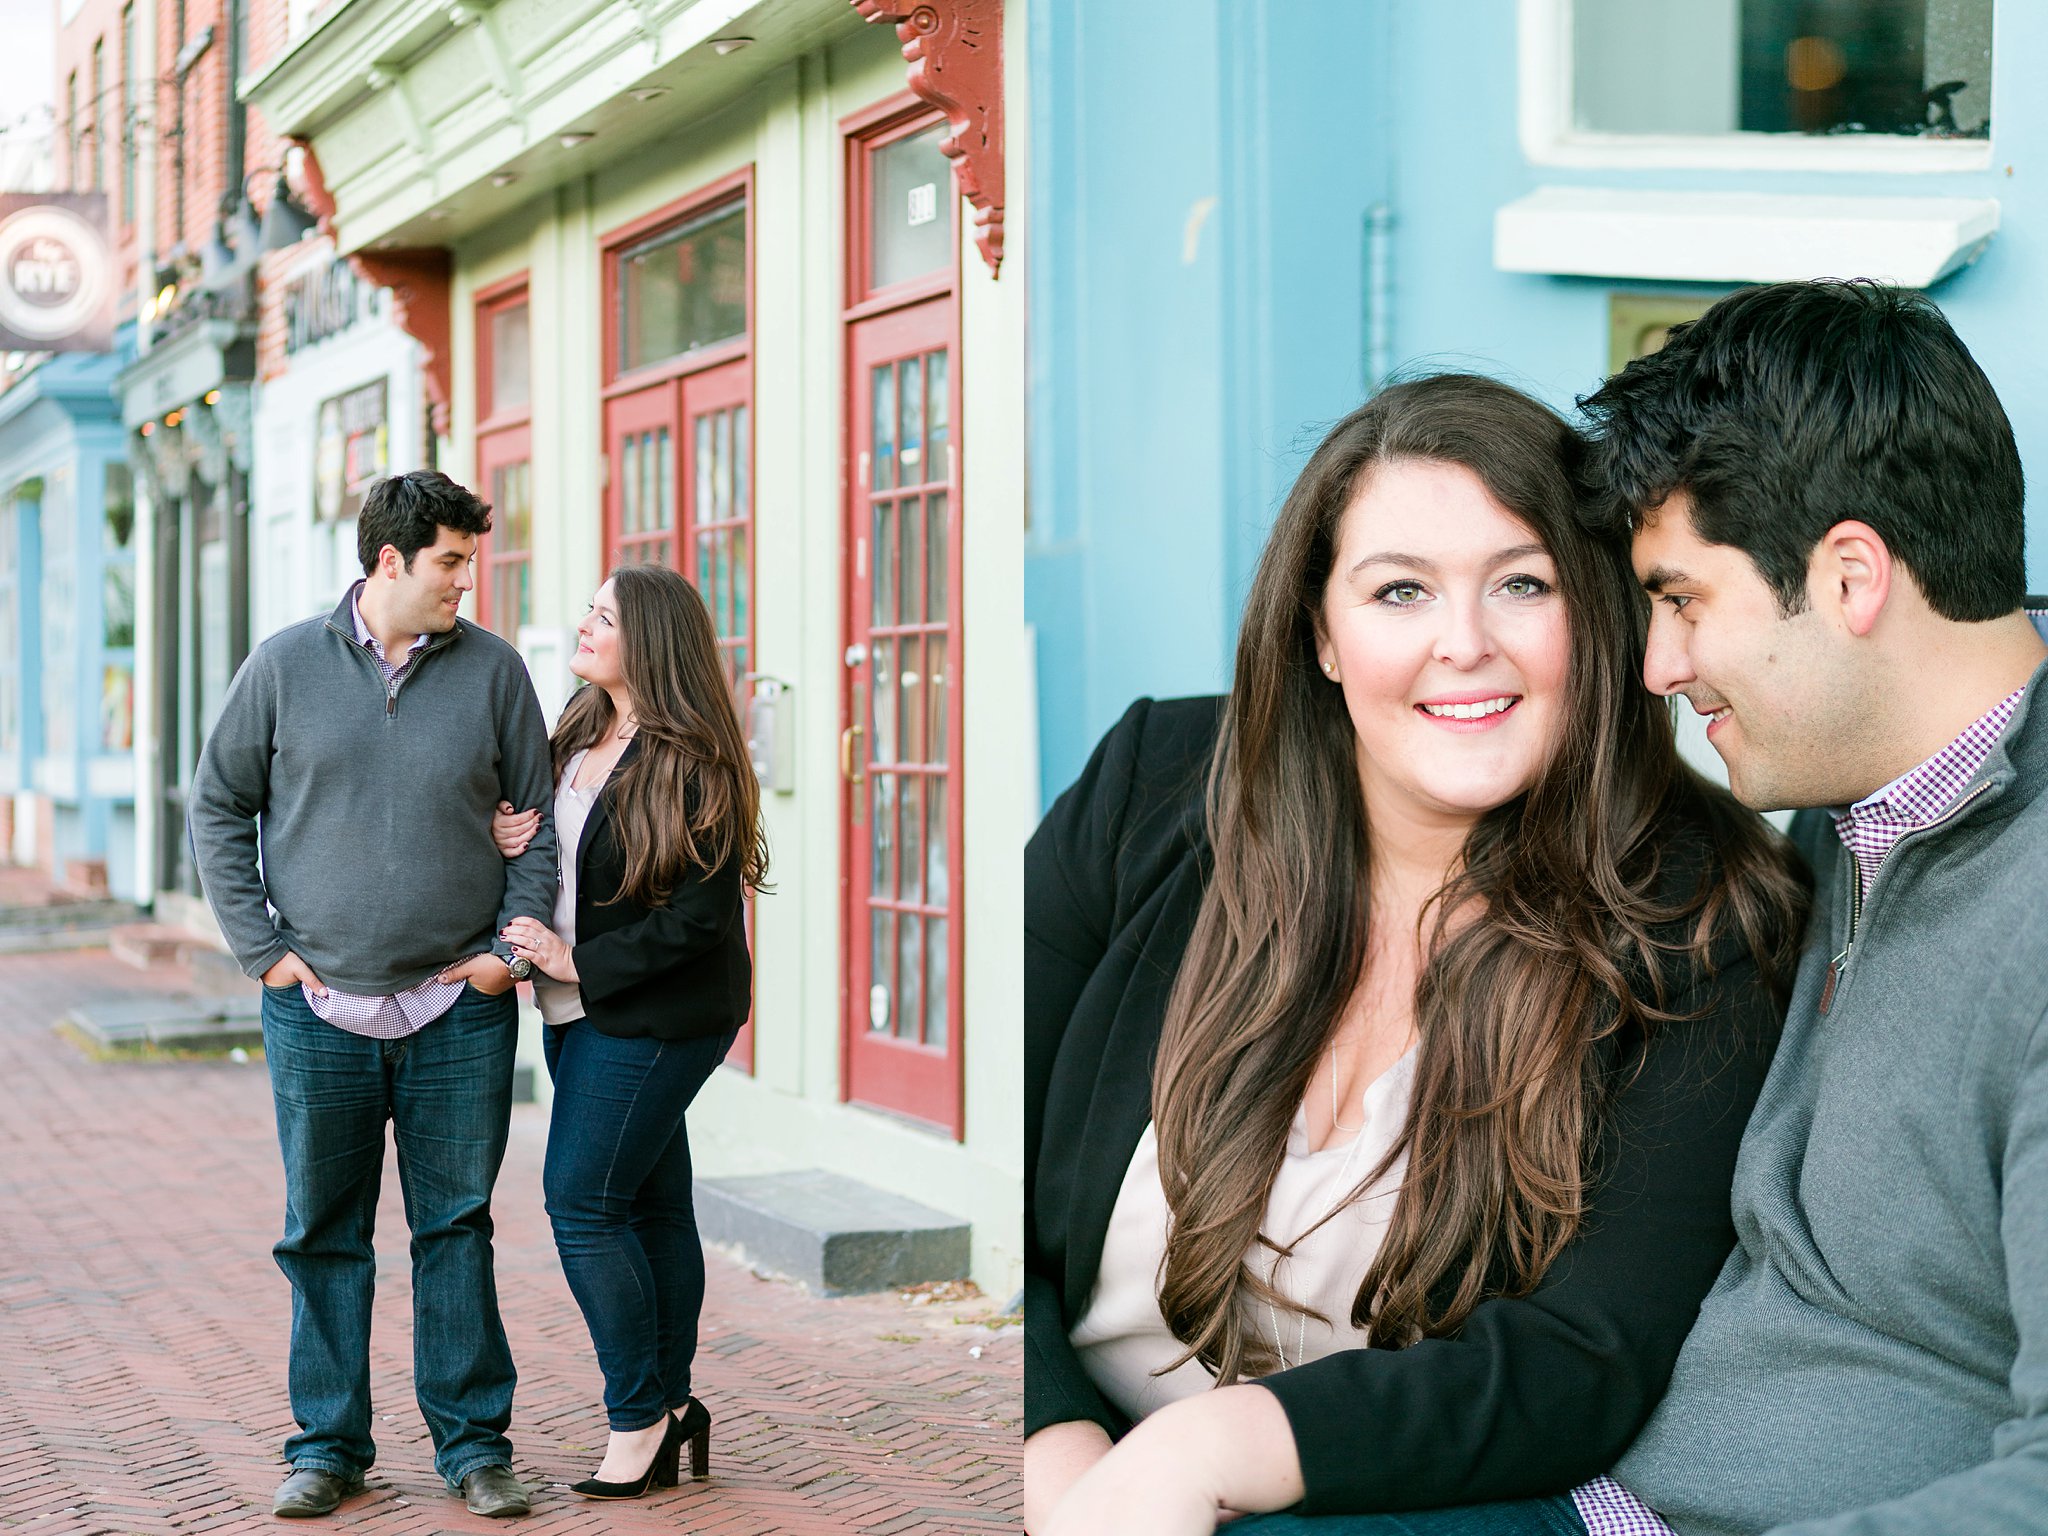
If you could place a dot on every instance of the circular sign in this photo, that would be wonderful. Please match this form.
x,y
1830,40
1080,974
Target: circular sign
x,y
53,272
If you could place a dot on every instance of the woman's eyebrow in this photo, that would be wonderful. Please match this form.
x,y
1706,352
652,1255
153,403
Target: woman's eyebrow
x,y
1420,563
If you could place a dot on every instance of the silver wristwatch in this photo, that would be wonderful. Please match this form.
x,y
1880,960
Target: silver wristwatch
x,y
520,967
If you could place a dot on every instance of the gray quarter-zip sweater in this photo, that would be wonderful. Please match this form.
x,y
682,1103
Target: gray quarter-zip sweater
x,y
374,805
1873,1360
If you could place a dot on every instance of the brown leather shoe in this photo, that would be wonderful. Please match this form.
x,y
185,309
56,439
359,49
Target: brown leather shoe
x,y
312,1491
496,1493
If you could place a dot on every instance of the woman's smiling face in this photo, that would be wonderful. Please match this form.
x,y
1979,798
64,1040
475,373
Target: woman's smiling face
x,y
597,658
1443,625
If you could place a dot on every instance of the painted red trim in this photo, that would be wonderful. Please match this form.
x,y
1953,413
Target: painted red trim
x,y
955,50
700,361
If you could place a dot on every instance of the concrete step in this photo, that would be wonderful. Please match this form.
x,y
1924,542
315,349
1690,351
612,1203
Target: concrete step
x,y
177,1019
143,945
833,1234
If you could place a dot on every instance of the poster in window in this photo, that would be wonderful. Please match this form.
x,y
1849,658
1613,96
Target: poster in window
x,y
351,450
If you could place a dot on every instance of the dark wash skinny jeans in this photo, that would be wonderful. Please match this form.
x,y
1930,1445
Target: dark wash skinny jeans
x,y
619,1193
1557,1516
447,1092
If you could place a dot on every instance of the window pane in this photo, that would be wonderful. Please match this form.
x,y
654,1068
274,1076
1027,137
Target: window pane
x,y
884,600
883,427
935,986
911,454
935,549
511,359
721,480
684,289
742,597
935,696
882,808
117,598
629,485
937,886
911,886
937,413
909,994
882,729
665,481
911,677
117,708
879,992
1911,67
913,558
742,468
911,209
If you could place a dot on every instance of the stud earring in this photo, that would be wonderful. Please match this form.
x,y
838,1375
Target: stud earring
x,y
1330,670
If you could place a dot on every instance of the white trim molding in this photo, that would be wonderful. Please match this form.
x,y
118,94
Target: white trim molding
x,y
1739,237
1549,137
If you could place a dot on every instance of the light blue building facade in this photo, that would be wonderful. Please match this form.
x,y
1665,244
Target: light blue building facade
x,y
67,620
1248,210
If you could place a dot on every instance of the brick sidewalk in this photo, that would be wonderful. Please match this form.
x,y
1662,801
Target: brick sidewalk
x,y
142,1335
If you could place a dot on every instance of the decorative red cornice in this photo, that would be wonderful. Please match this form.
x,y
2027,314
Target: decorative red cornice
x,y
421,281
955,49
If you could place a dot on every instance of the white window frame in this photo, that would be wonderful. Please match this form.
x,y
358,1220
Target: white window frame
x,y
1549,137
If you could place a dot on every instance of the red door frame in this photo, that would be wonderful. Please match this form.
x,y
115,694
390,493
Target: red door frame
x,y
870,316
501,436
668,394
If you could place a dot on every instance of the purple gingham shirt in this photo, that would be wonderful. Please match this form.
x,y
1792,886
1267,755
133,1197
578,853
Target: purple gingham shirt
x,y
403,1013
1869,829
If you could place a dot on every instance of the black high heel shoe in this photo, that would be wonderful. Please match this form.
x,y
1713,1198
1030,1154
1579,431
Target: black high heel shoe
x,y
693,1425
661,1472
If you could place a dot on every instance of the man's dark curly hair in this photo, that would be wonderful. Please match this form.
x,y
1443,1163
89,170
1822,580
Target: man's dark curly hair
x,y
1786,409
406,511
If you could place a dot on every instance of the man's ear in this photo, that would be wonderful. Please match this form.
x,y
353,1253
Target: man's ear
x,y
1852,571
389,565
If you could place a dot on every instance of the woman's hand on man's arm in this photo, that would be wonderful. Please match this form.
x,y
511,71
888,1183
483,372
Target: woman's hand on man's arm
x,y
1181,1471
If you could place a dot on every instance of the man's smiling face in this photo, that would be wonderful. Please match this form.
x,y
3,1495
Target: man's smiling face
x,y
1776,689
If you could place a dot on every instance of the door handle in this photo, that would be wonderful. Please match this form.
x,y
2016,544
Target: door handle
x,y
849,739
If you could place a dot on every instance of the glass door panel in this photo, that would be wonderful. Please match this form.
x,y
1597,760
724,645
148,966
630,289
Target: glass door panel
x,y
640,498
902,825
505,554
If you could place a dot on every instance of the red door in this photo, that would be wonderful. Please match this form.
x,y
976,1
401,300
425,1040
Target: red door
x,y
680,494
900,752
717,498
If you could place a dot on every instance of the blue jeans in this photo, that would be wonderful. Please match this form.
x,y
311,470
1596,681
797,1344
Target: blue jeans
x,y
618,1187
447,1092
1517,1517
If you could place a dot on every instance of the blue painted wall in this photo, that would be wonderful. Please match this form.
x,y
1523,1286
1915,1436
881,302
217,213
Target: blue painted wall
x,y
1179,381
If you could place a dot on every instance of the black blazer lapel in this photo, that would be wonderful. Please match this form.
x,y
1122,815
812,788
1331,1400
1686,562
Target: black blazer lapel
x,y
1121,1107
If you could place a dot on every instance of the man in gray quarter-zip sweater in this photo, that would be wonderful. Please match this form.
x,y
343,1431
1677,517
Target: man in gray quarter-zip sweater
x,y
361,754
1824,498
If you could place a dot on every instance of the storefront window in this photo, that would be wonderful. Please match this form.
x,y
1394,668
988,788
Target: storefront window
x,y
117,609
1918,68
684,289
59,611
118,588
911,209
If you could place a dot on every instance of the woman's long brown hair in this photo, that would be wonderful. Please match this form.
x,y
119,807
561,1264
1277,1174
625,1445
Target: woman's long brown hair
x,y
689,798
1510,1008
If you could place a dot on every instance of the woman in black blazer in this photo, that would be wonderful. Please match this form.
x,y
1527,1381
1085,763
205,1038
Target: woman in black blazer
x,y
1436,855
643,981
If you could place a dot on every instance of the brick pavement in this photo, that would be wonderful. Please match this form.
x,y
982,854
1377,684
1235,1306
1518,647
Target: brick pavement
x,y
142,1335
